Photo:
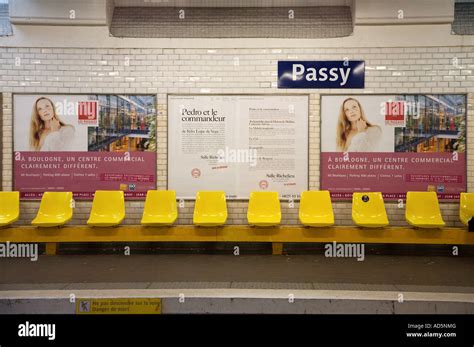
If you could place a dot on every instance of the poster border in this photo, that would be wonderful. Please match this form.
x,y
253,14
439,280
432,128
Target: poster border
x,y
344,200
72,94
308,95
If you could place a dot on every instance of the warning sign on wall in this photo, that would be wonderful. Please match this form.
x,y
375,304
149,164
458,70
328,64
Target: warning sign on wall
x,y
119,306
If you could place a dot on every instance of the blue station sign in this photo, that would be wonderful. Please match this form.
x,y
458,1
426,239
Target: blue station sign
x,y
321,74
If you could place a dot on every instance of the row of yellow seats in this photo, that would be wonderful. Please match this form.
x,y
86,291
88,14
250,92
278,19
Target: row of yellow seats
x,y
56,208
210,209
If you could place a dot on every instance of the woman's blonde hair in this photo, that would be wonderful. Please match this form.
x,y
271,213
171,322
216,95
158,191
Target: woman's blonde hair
x,y
37,124
344,126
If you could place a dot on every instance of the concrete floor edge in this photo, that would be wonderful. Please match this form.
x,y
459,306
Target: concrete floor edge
x,y
251,301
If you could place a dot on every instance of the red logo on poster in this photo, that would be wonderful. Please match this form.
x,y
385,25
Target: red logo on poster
x,y
395,110
87,112
395,113
196,173
263,184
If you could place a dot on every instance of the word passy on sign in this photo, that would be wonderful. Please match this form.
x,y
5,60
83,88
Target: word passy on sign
x,y
321,74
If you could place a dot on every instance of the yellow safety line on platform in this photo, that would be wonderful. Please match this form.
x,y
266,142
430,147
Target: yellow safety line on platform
x,y
237,233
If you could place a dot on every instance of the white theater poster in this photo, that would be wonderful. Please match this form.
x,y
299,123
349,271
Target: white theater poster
x,y
238,144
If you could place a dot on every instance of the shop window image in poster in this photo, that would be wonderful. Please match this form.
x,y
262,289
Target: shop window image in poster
x,y
393,144
83,143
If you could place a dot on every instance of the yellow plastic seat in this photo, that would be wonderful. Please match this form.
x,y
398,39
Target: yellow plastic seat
x,y
160,208
108,208
316,209
423,211
55,209
466,207
210,208
9,207
368,210
264,209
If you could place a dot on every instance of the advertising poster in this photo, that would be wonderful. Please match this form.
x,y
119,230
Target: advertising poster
x,y
238,144
84,143
393,144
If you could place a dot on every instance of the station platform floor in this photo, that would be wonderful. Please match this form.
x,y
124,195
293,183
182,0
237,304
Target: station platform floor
x,y
244,283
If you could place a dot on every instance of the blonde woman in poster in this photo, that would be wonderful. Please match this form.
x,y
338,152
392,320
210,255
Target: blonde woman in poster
x,y
47,131
354,132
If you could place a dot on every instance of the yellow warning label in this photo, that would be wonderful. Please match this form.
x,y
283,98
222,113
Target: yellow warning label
x,y
118,306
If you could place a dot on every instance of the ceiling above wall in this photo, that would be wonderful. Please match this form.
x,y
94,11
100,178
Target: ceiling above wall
x,y
464,18
5,26
231,3
235,22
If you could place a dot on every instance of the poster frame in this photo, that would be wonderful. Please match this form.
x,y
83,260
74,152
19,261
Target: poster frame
x,y
50,93
465,94
308,95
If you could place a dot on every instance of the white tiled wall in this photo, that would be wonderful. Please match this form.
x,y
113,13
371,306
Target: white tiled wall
x,y
179,70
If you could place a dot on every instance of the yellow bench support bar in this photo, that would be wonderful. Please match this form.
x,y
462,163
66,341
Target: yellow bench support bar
x,y
277,248
51,248
238,233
